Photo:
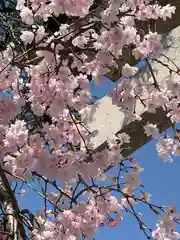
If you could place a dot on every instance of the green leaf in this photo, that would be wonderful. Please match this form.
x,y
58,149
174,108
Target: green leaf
x,y
38,20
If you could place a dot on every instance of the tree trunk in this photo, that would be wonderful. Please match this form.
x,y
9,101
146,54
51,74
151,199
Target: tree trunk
x,y
13,223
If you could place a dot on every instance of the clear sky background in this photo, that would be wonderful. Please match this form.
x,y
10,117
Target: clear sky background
x,y
160,179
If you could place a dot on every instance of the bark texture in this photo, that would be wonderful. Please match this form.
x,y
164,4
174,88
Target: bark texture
x,y
13,221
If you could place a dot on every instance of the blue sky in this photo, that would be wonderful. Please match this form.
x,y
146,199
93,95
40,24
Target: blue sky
x,y
160,179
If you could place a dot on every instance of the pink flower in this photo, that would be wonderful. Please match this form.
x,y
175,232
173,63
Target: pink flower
x,y
16,134
126,203
164,148
124,137
153,11
8,110
80,41
153,44
151,130
128,21
40,33
27,37
165,228
130,34
174,114
27,16
167,11
128,71
132,179
141,51
20,4
73,8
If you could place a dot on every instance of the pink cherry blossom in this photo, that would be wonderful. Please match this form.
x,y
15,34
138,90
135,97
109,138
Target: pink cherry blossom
x,y
27,37
16,135
132,179
151,130
27,15
167,11
45,119
166,228
128,71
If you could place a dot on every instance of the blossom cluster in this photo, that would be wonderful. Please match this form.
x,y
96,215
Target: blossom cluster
x,y
44,119
165,226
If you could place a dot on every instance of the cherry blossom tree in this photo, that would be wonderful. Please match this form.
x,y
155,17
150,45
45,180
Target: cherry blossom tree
x,y
45,109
